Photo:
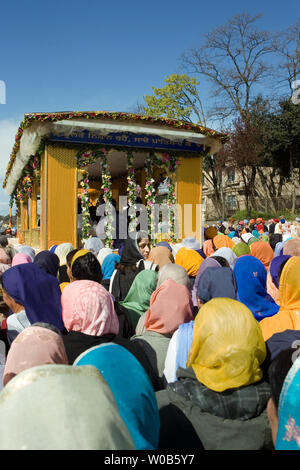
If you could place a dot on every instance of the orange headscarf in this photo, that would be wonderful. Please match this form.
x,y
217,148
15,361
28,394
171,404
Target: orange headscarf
x,y
288,316
262,251
161,255
170,306
189,259
222,240
208,248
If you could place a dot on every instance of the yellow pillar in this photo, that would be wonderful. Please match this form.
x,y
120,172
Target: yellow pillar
x,y
59,175
189,197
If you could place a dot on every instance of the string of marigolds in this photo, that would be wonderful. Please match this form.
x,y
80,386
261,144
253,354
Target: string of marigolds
x,y
131,191
31,173
150,194
107,197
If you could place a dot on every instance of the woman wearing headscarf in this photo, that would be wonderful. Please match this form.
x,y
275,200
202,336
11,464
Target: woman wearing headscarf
x,y
85,266
222,241
170,305
175,272
251,278
273,276
161,255
190,260
221,391
241,249
103,253
207,263
27,250
94,244
287,317
283,407
262,251
4,257
133,260
108,267
137,404
34,346
278,249
137,301
20,258
33,296
61,251
47,261
90,319
214,281
228,254
77,405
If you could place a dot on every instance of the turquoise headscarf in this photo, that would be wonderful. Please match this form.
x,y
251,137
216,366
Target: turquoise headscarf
x,y
288,434
108,265
132,390
137,301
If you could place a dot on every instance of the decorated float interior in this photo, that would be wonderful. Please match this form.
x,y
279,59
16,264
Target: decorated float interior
x,y
61,158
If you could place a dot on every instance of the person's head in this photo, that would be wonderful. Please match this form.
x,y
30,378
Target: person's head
x,y
36,345
12,304
84,265
143,243
3,241
222,261
175,272
88,307
228,347
216,282
277,372
69,258
292,247
190,260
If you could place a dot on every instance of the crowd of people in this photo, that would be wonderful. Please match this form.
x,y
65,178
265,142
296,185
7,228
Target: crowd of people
x,y
166,346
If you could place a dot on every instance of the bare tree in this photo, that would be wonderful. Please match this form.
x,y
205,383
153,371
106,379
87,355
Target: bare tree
x,y
287,45
234,59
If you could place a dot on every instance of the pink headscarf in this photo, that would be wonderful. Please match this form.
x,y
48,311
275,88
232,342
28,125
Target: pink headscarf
x,y
4,257
170,306
21,258
208,248
34,346
88,307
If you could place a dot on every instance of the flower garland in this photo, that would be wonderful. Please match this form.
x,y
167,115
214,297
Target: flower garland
x,y
54,117
31,173
131,190
172,164
107,196
150,195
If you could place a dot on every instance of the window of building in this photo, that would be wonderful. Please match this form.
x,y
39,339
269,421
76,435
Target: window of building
x,y
231,176
231,202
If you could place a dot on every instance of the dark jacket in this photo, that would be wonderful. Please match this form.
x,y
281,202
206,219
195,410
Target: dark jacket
x,y
207,415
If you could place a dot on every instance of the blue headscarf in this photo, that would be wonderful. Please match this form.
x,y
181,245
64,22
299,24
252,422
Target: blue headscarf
x,y
47,261
166,244
53,248
216,282
132,389
251,278
184,342
278,249
108,265
231,234
37,291
288,434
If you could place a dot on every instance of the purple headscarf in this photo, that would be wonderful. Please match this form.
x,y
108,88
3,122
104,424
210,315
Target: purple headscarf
x,y
37,291
275,267
207,263
166,244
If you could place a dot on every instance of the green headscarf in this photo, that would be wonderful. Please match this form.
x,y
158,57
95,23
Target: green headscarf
x,y
137,301
241,249
265,238
252,240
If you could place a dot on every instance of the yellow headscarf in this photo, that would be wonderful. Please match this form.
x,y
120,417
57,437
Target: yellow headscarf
x,y
78,254
222,240
189,259
288,316
228,346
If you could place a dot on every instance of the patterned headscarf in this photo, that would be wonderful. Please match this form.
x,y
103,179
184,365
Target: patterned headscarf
x,y
88,307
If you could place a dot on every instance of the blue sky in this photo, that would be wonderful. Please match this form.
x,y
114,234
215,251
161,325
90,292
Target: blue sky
x,y
95,55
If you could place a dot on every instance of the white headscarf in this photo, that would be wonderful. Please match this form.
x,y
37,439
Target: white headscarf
x,y
228,254
94,244
246,237
103,253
